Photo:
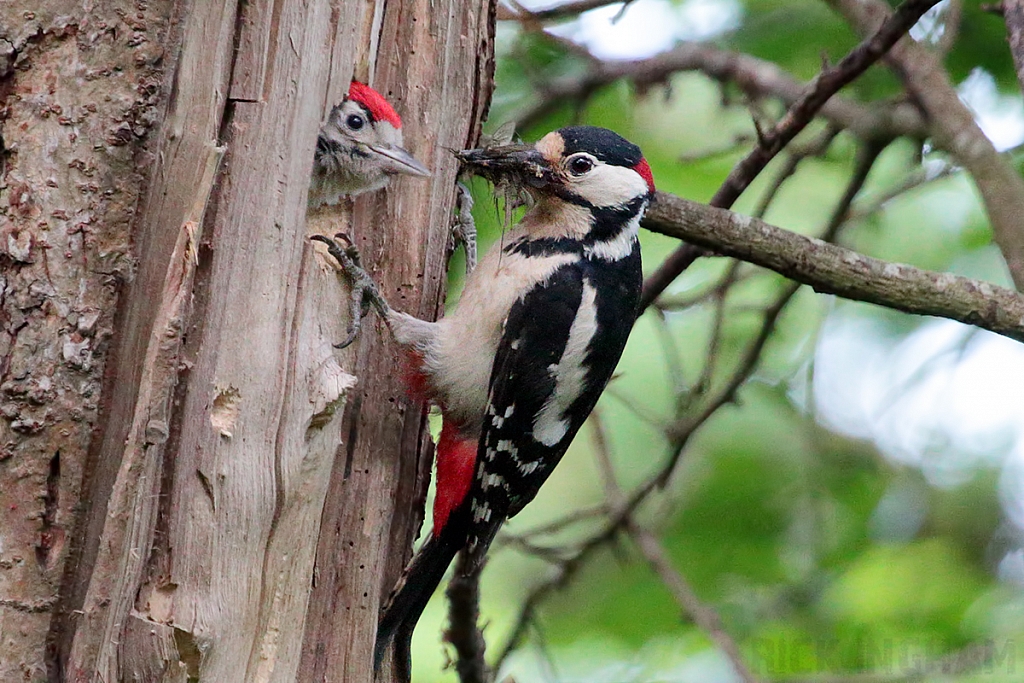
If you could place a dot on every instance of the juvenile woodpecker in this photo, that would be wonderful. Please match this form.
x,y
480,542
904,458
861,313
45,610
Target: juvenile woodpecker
x,y
359,148
519,364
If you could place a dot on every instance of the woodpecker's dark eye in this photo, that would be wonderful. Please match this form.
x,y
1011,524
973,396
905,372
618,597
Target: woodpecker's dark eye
x,y
355,121
580,165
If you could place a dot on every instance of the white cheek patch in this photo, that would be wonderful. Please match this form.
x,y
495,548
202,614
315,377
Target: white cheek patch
x,y
550,426
608,185
388,134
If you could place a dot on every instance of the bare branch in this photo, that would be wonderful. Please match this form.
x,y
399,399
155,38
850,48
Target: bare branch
x,y
463,614
565,10
954,130
759,79
824,87
755,77
704,616
711,355
684,428
828,82
834,270
1013,15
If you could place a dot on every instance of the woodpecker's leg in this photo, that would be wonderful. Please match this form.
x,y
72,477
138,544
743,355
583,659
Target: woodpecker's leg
x,y
464,229
364,291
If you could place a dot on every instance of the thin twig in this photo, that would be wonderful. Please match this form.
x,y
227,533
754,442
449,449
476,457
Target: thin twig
x,y
670,352
684,428
795,120
637,408
711,355
562,523
731,147
816,148
953,128
464,612
565,10
677,302
703,616
912,181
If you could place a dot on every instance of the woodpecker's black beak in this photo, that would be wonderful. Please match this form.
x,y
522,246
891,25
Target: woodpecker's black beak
x,y
398,160
520,163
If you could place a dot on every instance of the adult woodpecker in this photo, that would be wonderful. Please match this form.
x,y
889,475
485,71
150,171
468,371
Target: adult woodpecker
x,y
359,148
521,361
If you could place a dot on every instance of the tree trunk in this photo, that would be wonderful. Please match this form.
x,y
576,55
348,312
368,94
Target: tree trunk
x,y
224,422
79,91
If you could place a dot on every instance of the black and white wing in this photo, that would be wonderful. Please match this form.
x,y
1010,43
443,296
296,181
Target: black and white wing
x,y
559,347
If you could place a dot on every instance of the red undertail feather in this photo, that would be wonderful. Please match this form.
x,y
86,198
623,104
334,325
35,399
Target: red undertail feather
x,y
456,460
644,169
374,102
417,385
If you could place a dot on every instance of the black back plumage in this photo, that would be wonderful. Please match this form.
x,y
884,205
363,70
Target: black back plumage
x,y
511,464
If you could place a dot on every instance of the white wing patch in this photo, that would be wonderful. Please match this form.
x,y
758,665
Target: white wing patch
x,y
550,426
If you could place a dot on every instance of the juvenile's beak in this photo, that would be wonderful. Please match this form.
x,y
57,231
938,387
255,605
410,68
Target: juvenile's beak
x,y
398,160
518,162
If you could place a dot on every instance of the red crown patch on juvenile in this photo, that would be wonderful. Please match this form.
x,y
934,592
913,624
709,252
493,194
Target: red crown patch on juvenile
x,y
644,169
374,102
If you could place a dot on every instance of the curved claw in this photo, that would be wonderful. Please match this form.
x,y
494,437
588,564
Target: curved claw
x,y
363,290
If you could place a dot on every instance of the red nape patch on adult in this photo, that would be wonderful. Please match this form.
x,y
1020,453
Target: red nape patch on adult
x,y
456,460
379,108
644,169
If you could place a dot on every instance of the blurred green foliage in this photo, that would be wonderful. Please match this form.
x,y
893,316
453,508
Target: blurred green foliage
x,y
825,557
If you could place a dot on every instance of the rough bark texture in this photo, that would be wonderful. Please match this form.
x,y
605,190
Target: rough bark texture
x,y
79,85
832,269
437,67
200,480
1013,14
213,456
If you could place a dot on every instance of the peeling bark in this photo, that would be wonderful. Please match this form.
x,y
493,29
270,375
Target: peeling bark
x,y
172,404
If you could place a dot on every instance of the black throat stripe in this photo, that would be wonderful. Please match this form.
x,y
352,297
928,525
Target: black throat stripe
x,y
607,223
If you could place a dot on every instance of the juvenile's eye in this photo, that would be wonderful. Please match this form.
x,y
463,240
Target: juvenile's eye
x,y
580,165
355,121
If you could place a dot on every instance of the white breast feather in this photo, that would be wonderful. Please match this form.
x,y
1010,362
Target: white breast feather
x,y
462,353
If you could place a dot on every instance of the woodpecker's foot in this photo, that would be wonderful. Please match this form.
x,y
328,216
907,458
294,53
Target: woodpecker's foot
x,y
364,291
464,229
